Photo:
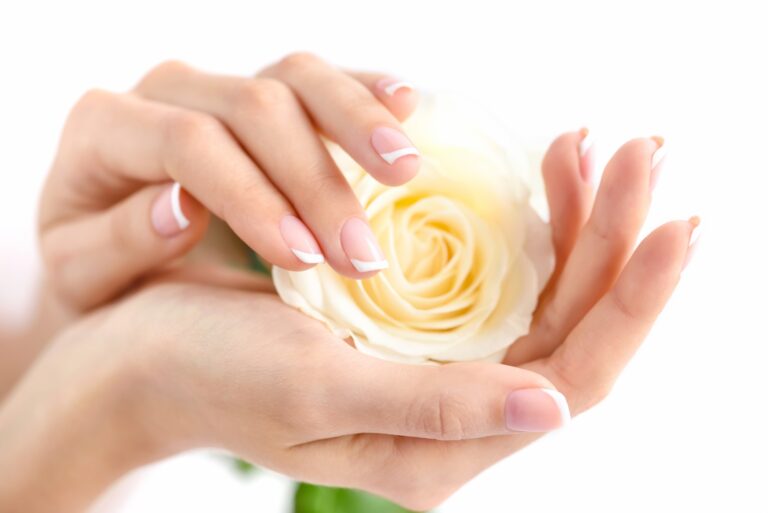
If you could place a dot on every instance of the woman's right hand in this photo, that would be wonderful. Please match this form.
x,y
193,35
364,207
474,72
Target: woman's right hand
x,y
249,150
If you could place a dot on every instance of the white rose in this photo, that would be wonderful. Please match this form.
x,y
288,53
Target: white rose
x,y
468,255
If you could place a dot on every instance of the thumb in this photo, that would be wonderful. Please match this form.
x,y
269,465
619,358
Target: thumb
x,y
449,402
95,257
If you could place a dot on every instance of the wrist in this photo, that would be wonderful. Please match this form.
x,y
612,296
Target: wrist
x,y
69,428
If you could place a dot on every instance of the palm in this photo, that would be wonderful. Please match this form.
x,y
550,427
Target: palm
x,y
591,317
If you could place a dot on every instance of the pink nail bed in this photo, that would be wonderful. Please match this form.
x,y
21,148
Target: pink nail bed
x,y
392,145
167,215
391,86
361,247
300,240
536,410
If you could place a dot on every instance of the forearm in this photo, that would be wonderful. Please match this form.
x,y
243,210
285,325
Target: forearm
x,y
20,347
65,433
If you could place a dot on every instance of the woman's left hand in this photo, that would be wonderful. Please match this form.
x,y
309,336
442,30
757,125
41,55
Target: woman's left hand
x,y
179,366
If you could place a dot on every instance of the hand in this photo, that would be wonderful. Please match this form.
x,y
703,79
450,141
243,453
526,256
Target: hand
x,y
178,366
247,149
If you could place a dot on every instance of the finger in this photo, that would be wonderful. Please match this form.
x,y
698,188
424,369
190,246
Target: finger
x,y
96,257
272,126
397,95
601,250
596,351
567,168
133,141
450,402
346,111
214,275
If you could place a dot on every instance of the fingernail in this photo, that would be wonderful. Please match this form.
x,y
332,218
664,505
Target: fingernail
x,y
392,85
168,218
536,410
392,144
361,247
657,161
694,240
300,240
586,155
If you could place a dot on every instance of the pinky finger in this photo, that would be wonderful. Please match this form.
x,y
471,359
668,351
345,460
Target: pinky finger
x,y
397,95
591,358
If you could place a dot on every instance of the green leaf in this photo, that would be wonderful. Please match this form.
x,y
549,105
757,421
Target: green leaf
x,y
311,498
257,264
242,467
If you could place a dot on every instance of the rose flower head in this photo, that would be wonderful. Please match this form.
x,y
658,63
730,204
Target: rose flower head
x,y
468,254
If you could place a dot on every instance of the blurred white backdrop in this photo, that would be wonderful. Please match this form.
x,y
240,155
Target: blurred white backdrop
x,y
685,428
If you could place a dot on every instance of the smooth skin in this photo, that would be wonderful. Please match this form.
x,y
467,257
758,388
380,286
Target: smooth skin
x,y
209,357
179,366
249,150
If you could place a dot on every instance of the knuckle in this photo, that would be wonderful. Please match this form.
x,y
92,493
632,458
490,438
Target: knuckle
x,y
93,98
324,182
613,233
623,307
582,393
443,418
260,96
91,102
298,60
188,129
167,68
549,324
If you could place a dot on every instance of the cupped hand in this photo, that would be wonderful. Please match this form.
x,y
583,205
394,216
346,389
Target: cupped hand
x,y
213,365
136,173
598,307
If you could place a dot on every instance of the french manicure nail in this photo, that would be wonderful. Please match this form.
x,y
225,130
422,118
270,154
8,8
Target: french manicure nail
x,y
657,161
300,240
392,85
168,218
392,144
361,247
694,240
586,155
536,410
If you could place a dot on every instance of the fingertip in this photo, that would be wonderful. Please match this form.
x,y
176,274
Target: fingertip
x,y
402,171
399,96
562,156
661,256
174,211
300,241
398,158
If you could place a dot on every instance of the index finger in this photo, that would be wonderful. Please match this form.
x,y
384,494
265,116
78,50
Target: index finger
x,y
347,112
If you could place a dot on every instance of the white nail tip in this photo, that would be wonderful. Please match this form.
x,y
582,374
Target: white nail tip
x,y
694,236
178,214
658,156
391,89
585,144
392,156
364,266
308,258
562,405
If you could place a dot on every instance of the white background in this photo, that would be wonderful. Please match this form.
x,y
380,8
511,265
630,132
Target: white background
x,y
685,428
